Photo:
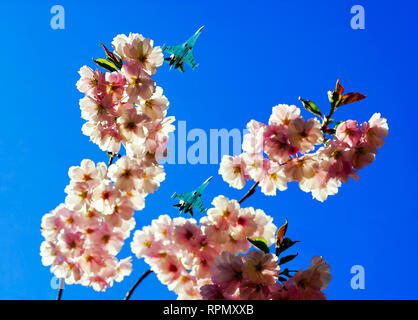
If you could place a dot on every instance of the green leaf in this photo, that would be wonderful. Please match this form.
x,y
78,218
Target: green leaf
x,y
336,126
311,107
287,258
260,243
334,98
337,99
286,244
110,66
286,273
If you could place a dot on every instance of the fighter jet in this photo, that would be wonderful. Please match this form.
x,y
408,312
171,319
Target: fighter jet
x,y
191,200
182,53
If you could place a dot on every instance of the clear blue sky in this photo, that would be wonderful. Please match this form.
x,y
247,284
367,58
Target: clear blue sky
x,y
252,55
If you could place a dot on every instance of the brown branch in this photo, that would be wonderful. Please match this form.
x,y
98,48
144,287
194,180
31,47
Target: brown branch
x,y
60,294
128,295
111,160
252,190
61,289
249,193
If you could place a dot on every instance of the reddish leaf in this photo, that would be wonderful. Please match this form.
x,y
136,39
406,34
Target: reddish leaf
x,y
339,88
280,234
351,97
112,57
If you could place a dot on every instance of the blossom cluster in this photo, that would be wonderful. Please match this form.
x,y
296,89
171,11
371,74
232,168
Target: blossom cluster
x,y
125,106
122,107
207,261
182,252
290,144
254,277
84,235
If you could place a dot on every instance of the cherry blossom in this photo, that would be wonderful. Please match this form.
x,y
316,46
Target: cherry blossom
x,y
138,49
187,255
287,150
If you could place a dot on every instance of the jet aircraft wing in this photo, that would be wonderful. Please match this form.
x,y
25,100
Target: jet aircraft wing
x,y
193,38
198,204
190,60
182,196
174,49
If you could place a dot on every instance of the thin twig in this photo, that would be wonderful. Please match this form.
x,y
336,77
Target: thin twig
x,y
249,193
111,160
128,295
61,289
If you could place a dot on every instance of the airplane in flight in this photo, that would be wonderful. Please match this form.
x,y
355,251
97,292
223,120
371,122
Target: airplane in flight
x,y
191,200
182,53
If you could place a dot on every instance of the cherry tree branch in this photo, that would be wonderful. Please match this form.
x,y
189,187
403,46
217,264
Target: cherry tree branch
x,y
111,160
61,289
249,193
130,292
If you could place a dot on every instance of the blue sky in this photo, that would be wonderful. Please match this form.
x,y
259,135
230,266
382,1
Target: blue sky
x,y
252,56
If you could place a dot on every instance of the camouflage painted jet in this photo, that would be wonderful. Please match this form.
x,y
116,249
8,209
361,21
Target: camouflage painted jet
x,y
191,200
182,53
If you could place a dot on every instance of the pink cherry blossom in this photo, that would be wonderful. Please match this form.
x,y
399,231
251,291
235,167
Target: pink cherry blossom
x,y
106,135
125,172
260,267
244,225
273,179
349,133
156,106
213,292
227,272
115,85
140,84
190,250
97,109
253,141
305,135
90,80
104,196
284,114
140,50
276,143
132,125
232,170
363,155
186,233
375,130
250,290
256,166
